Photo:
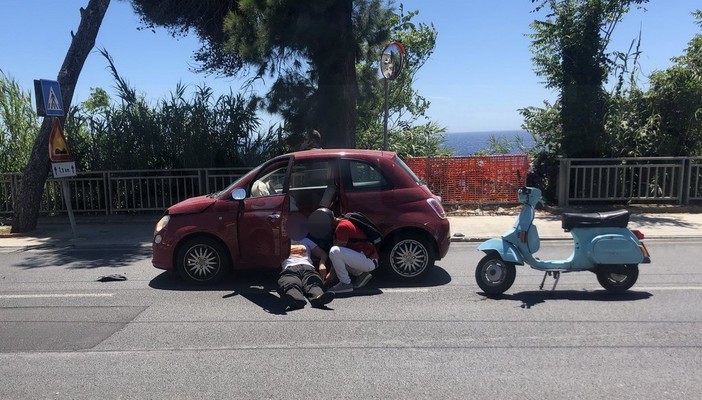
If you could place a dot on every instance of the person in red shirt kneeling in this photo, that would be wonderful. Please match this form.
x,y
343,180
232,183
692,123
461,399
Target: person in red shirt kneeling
x,y
351,255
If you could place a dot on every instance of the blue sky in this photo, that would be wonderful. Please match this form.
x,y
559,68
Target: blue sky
x,y
477,78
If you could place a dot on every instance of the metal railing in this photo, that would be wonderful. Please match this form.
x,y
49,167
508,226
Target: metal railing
x,y
114,192
661,180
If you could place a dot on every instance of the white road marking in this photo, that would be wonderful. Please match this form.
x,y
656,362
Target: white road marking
x,y
666,288
404,290
53,295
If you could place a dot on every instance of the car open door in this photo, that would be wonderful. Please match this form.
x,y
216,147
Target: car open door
x,y
262,242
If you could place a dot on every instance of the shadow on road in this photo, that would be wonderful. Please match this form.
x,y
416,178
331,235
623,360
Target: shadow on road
x,y
259,287
75,258
531,298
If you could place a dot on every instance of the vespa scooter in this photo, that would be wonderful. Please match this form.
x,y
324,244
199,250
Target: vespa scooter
x,y
602,244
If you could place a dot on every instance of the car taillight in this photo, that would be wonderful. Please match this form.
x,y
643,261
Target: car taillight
x,y
639,235
438,209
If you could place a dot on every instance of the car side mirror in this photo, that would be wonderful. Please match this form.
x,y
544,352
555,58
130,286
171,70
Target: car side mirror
x,y
239,194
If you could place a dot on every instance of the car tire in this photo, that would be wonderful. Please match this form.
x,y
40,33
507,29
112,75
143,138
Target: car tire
x,y
408,257
203,261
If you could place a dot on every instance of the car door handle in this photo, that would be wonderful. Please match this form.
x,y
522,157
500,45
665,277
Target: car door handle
x,y
274,217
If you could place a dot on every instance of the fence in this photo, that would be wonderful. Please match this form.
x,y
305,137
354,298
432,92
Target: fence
x,y
672,180
484,179
113,192
474,179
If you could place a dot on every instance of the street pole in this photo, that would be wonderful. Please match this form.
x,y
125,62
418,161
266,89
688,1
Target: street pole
x,y
391,61
385,117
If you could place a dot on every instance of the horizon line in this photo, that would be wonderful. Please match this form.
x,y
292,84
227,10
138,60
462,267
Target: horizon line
x,y
493,131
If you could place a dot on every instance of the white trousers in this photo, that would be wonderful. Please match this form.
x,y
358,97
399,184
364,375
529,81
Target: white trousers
x,y
347,261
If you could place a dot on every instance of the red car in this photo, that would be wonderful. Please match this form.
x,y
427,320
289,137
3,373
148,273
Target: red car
x,y
205,237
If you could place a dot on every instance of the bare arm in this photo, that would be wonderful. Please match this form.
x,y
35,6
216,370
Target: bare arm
x,y
322,255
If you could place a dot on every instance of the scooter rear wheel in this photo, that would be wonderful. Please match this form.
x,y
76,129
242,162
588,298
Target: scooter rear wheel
x,y
618,279
494,275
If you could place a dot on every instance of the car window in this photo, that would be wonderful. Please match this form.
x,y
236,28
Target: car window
x,y
363,176
407,169
270,181
311,174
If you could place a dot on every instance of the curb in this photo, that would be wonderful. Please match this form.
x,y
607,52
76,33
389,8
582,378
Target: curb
x,y
556,239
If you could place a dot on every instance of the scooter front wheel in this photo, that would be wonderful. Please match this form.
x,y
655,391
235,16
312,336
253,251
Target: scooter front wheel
x,y
619,278
494,275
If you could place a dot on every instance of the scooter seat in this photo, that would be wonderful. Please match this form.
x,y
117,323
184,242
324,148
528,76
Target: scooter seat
x,y
608,219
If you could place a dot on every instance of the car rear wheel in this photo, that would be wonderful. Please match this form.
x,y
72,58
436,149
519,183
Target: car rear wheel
x,y
408,257
203,261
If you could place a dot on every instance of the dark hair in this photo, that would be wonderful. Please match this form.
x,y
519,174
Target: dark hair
x,y
313,140
314,136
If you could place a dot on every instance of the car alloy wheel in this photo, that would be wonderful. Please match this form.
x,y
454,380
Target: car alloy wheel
x,y
410,257
203,261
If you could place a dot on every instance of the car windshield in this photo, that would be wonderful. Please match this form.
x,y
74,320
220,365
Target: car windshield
x,y
408,170
235,183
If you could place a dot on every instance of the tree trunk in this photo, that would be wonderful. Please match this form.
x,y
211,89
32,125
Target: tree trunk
x,y
31,188
338,87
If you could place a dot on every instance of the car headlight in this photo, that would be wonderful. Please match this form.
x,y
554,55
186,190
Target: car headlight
x,y
162,223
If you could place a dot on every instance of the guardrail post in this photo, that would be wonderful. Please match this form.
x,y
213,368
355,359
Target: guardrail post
x,y
563,181
686,181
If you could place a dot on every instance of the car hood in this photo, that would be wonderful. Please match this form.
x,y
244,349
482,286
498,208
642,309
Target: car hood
x,y
191,206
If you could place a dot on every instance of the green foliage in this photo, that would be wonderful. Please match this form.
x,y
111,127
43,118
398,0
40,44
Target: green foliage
x,y
675,101
199,132
569,50
321,54
570,53
18,125
544,125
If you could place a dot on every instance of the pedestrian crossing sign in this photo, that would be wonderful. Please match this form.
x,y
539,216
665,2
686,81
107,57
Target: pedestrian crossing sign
x,y
48,97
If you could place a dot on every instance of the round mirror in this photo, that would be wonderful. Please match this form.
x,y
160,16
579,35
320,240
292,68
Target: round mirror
x,y
392,60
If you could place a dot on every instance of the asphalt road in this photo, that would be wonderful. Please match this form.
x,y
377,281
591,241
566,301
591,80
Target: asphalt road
x,y
65,335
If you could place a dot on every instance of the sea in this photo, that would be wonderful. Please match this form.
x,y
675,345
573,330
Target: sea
x,y
469,143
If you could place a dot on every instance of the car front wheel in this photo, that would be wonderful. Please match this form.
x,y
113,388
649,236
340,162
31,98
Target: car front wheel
x,y
203,261
409,257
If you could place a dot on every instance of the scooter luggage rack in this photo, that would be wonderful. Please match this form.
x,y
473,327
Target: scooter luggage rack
x,y
556,276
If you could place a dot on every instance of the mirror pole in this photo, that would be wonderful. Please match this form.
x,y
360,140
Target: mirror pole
x,y
385,116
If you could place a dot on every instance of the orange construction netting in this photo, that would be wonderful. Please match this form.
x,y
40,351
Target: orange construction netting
x,y
473,179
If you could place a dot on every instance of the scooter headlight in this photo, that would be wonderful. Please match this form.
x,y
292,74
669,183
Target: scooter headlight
x,y
523,195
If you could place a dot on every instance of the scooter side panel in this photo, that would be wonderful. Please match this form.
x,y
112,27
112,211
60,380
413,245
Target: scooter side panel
x,y
505,249
615,249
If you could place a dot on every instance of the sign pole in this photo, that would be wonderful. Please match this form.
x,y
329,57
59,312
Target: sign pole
x,y
67,198
50,104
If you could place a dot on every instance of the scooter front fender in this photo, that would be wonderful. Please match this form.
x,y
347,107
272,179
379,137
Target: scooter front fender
x,y
505,249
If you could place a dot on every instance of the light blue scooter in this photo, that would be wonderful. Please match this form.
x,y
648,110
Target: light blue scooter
x,y
602,244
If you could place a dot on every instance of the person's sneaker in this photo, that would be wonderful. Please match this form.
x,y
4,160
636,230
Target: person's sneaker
x,y
291,302
341,288
362,280
322,299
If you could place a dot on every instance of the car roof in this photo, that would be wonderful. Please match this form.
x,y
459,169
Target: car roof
x,y
359,153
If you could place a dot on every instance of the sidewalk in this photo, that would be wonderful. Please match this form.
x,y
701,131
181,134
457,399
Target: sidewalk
x,y
91,232
130,231
652,225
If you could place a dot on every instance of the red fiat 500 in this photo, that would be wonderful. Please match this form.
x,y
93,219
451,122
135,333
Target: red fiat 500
x,y
205,237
